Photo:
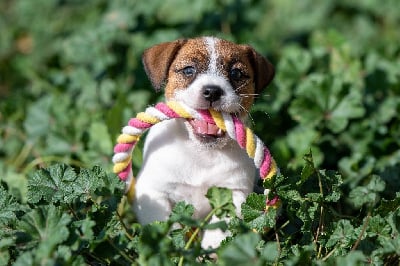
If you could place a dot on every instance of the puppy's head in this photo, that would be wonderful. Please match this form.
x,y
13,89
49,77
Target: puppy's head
x,y
208,73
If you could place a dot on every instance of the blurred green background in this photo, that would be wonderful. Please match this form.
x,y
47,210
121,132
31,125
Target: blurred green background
x,y
71,77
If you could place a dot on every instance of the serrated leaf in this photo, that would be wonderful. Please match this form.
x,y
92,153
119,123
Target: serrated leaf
x,y
86,183
221,200
241,250
389,205
8,208
53,184
343,236
253,207
60,183
45,227
309,167
377,225
182,213
179,237
367,194
291,195
86,228
253,211
153,239
111,184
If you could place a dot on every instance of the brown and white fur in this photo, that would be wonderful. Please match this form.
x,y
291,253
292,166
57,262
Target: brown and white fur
x,y
183,159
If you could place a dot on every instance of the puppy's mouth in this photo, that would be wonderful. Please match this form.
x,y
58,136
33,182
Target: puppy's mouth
x,y
205,129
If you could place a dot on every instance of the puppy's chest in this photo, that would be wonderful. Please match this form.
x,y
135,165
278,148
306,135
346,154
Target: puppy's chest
x,y
169,152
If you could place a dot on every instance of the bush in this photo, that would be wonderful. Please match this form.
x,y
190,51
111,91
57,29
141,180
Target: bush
x,y
71,77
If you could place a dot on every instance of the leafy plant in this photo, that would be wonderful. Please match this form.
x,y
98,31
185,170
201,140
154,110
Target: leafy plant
x,y
70,77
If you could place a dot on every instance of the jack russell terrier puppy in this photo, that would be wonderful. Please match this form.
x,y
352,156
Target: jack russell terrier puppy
x,y
183,159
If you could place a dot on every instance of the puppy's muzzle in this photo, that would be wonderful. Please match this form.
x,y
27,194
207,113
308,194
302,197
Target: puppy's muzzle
x,y
212,93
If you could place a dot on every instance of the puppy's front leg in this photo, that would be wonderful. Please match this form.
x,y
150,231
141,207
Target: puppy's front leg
x,y
150,205
213,238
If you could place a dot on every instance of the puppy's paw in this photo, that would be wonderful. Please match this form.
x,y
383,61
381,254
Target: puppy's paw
x,y
213,238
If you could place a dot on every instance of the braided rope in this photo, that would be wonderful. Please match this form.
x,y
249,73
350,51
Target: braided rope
x,y
236,130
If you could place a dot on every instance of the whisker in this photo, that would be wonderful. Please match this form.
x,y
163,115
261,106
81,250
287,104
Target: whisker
x,y
248,113
249,94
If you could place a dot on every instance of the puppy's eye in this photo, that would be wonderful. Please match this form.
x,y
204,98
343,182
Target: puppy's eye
x,y
188,71
236,74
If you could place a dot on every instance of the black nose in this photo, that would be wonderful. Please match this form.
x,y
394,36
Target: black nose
x,y
212,93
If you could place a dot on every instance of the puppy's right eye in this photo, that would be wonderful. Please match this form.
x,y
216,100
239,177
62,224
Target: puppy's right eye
x,y
188,71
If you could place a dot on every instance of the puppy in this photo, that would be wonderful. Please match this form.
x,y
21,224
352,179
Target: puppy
x,y
183,159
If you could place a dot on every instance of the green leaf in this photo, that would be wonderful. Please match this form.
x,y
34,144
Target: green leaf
x,y
253,207
110,184
343,235
367,194
309,167
87,182
270,252
37,122
217,225
100,139
9,208
26,258
349,107
389,205
86,228
182,213
221,200
351,259
5,247
378,226
44,228
60,183
241,251
53,184
253,211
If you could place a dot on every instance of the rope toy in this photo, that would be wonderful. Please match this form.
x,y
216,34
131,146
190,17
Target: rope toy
x,y
229,123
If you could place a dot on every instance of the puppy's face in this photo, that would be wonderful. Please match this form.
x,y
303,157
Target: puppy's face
x,y
208,73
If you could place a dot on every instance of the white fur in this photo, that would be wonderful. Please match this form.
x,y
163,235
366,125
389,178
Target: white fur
x,y
176,167
192,96
212,67
176,170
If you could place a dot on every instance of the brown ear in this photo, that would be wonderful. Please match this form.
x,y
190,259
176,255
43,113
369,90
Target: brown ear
x,y
157,60
264,71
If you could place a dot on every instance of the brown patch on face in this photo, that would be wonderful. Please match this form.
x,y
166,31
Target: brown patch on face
x,y
248,71
157,60
193,56
176,64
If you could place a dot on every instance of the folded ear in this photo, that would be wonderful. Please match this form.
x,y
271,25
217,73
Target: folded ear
x,y
264,71
157,60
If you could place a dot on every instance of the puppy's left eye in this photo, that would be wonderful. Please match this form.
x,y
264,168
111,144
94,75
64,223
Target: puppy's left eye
x,y
188,71
236,74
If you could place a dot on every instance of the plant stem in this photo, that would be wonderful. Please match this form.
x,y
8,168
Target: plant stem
x,y
196,232
19,160
364,228
124,226
328,255
121,252
321,215
279,245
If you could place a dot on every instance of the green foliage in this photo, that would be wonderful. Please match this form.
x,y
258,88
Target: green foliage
x,y
71,76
